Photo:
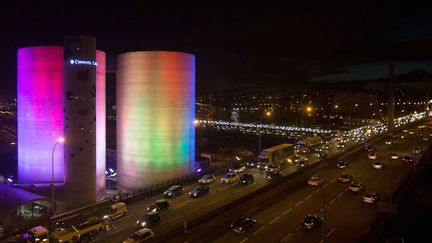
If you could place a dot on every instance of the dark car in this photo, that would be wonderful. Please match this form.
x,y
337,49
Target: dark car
x,y
346,178
271,176
311,222
322,155
199,191
158,205
242,224
273,168
174,191
369,148
408,159
149,220
252,163
246,179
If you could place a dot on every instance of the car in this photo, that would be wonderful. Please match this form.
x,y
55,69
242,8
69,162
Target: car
x,y
237,168
262,165
149,220
404,130
199,191
142,235
426,139
416,150
311,222
388,141
378,165
356,187
301,164
370,197
229,178
322,155
174,191
273,168
341,164
207,179
272,176
402,136
252,163
340,145
297,158
369,148
346,178
246,179
158,205
394,156
408,159
315,181
392,135
242,224
327,146
373,155
411,132
419,134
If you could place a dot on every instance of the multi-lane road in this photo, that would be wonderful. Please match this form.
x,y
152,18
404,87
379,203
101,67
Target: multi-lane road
x,y
281,221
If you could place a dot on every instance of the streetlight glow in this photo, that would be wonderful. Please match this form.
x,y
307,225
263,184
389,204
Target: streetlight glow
x,y
268,113
308,109
61,140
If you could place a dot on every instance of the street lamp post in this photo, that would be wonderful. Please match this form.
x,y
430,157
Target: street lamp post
x,y
268,113
59,140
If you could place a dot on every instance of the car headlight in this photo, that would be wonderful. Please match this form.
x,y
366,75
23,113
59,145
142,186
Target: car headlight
x,y
154,210
137,222
143,224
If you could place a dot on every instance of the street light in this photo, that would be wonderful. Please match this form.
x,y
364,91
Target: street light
x,y
309,110
59,140
267,114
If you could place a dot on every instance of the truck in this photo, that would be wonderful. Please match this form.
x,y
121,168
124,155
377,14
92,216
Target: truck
x,y
78,232
276,154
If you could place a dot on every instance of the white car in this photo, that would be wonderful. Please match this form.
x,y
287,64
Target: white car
x,y
388,141
356,187
370,197
378,165
141,235
394,156
373,155
416,150
207,179
411,132
315,181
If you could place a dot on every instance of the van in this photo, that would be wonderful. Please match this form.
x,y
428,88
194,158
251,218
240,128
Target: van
x,y
117,210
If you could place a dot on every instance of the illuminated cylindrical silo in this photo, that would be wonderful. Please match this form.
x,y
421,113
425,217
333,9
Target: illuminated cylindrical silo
x,y
100,122
155,114
40,114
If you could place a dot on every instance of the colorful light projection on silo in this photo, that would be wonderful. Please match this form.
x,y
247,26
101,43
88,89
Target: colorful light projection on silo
x,y
155,114
100,121
40,114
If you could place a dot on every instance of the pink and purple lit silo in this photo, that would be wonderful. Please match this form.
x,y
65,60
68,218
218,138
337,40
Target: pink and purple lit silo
x,y
40,113
155,114
100,122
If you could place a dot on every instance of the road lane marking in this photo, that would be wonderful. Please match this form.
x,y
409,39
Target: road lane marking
x,y
298,203
287,211
274,220
244,240
317,191
256,232
223,197
298,228
210,203
124,217
308,197
326,185
286,237
333,180
331,231
340,194
173,219
332,201
116,231
193,211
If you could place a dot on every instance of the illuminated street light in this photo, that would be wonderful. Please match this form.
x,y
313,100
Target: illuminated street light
x,y
268,114
309,109
59,140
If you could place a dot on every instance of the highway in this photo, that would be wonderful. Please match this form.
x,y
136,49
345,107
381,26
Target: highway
x,y
348,218
184,209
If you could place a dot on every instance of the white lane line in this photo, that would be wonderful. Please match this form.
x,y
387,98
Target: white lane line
x,y
332,201
317,191
193,211
287,211
124,217
116,231
331,231
340,194
173,219
286,237
326,185
298,203
244,240
333,180
274,220
223,197
308,197
237,191
298,228
179,206
256,232
210,203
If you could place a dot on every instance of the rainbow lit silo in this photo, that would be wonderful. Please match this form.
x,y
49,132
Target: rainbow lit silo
x,y
155,113
100,121
40,113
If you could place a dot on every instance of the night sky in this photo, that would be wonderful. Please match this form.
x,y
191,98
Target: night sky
x,y
241,46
